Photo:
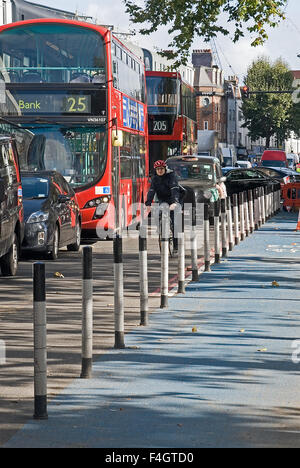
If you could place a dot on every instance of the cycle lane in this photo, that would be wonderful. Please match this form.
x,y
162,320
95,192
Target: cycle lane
x,y
213,370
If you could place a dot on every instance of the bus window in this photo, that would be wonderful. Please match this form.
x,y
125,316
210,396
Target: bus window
x,y
50,53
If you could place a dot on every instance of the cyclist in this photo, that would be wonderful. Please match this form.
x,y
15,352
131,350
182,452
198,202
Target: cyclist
x,y
165,186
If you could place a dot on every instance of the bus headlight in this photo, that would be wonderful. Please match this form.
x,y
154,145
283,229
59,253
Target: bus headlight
x,y
101,205
97,202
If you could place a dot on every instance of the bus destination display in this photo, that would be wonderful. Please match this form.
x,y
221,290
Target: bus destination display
x,y
30,104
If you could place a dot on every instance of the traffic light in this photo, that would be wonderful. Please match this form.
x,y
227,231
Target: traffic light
x,y
245,92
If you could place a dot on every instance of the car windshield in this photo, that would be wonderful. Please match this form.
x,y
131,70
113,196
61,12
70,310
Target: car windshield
x,y
273,163
35,187
237,175
197,171
272,173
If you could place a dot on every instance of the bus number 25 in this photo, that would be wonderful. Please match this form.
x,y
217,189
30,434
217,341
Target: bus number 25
x,y
78,104
160,126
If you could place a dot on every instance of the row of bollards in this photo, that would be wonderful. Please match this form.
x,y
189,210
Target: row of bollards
x,y
234,219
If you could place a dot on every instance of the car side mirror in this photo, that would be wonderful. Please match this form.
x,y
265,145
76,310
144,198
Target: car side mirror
x,y
2,191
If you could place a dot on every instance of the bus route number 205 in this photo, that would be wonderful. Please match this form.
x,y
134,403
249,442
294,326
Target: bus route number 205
x,y
160,126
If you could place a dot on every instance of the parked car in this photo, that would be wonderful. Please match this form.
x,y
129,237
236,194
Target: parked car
x,y
240,180
51,212
201,176
11,207
283,175
274,158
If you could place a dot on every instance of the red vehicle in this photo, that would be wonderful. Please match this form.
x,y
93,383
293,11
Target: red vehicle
x,y
79,96
274,158
171,116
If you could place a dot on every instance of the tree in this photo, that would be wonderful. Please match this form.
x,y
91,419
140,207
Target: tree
x,y
269,114
187,19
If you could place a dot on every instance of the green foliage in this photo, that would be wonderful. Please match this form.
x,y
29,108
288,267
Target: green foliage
x,y
269,114
188,19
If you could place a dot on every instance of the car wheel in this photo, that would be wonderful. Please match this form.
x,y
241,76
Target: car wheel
x,y
53,255
76,246
9,262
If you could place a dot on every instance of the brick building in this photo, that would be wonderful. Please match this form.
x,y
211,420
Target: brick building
x,y
210,101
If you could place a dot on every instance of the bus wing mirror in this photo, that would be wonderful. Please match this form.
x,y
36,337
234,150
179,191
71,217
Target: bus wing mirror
x,y
117,138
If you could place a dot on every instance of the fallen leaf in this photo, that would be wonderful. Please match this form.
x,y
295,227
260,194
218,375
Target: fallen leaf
x,y
194,329
58,275
275,284
262,350
242,330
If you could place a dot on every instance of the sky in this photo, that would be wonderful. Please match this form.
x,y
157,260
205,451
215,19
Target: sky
x,y
234,58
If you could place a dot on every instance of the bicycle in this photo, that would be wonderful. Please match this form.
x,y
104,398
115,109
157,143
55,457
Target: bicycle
x,y
169,215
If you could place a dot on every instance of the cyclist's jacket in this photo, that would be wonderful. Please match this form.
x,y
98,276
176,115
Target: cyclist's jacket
x,y
166,188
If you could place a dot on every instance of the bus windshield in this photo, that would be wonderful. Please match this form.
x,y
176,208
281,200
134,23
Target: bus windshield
x,y
79,154
163,95
51,53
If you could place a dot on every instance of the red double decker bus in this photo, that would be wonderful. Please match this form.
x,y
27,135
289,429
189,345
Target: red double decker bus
x,y
171,116
78,96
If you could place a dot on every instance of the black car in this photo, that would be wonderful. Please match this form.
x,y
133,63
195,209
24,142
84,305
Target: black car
x,y
201,176
240,180
51,212
281,174
11,207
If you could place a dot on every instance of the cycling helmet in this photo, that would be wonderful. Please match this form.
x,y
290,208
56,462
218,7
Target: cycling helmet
x,y
159,163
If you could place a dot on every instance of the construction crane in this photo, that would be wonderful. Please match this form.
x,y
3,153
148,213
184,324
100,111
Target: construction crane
x,y
215,53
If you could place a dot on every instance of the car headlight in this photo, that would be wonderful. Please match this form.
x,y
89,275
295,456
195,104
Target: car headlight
x,y
38,217
207,194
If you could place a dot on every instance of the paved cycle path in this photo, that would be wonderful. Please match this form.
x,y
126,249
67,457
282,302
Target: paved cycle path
x,y
218,368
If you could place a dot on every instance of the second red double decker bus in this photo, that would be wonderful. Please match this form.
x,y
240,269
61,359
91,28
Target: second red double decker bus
x,y
78,96
171,115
